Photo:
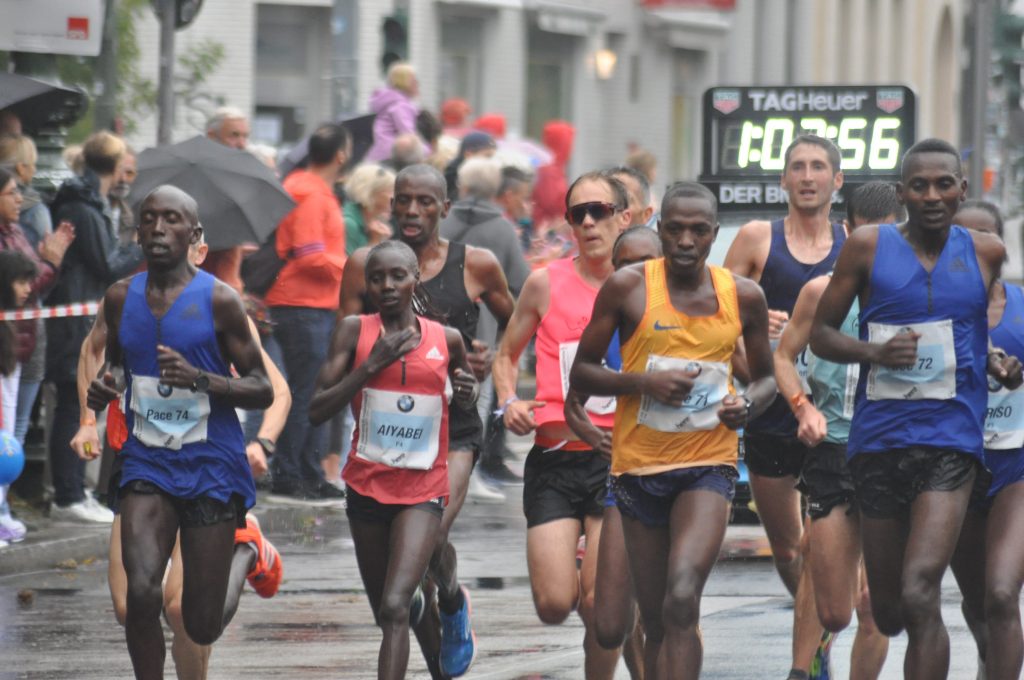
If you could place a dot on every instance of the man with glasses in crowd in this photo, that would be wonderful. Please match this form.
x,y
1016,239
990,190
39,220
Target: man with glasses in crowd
x,y
564,479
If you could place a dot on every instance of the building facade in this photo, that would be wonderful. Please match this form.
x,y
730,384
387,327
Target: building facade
x,y
624,72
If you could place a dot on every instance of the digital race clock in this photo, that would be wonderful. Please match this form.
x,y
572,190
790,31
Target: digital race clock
x,y
747,131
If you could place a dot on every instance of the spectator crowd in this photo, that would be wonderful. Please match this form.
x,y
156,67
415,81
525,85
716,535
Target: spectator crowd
x,y
73,245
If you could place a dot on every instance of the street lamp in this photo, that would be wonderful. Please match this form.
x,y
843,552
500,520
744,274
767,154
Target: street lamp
x,y
604,63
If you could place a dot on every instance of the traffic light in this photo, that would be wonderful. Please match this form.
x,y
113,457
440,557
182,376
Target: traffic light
x,y
185,11
1009,52
395,29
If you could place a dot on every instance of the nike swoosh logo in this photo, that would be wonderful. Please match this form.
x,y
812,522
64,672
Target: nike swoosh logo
x,y
659,327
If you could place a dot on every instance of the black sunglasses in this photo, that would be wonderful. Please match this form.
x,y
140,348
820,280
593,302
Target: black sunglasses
x,y
599,210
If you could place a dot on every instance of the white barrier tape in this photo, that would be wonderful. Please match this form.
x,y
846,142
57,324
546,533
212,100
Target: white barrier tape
x,y
60,311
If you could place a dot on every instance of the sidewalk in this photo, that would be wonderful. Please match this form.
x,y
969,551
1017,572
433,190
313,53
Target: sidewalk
x,y
49,544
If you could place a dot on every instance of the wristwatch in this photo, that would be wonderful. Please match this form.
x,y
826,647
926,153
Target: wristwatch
x,y
201,382
268,446
749,403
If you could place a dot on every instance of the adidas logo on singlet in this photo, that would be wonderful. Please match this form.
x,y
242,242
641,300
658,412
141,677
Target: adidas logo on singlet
x,y
958,265
435,354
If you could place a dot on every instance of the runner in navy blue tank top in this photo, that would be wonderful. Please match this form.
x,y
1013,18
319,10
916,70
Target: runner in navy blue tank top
x,y
184,460
782,256
989,558
916,441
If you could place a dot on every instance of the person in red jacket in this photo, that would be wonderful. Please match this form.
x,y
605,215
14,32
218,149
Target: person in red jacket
x,y
550,187
303,302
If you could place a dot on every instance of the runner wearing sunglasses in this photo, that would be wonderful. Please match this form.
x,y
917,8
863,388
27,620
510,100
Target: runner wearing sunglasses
x,y
565,478
674,446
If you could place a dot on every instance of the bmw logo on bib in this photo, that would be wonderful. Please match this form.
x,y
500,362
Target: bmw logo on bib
x,y
405,403
164,390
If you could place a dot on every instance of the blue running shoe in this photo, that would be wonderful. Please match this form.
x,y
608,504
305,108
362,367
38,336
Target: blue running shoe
x,y
821,666
458,641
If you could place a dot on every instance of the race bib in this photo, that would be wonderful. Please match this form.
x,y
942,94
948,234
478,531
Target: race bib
x,y
400,430
599,406
700,408
933,375
167,417
1004,418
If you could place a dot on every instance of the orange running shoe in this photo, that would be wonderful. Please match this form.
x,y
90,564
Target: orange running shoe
x,y
265,577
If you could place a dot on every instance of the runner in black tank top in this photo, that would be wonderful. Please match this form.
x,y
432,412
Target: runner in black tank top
x,y
464,275
448,294
782,257
781,280
447,301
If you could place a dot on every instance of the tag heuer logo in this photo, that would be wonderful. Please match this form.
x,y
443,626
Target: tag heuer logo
x,y
726,101
889,101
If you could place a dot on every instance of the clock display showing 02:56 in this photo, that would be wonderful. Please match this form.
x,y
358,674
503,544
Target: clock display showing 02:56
x,y
873,145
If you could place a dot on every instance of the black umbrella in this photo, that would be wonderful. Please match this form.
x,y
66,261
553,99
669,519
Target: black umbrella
x,y
240,199
361,129
40,104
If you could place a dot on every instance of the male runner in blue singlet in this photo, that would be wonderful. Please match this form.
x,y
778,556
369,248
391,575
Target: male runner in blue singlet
x,y
916,438
173,332
989,558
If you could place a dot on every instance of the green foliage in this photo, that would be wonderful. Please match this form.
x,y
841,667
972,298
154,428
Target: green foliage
x,y
137,94
194,67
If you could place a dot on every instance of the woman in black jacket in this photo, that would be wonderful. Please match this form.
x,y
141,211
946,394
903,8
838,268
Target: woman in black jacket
x,y
95,260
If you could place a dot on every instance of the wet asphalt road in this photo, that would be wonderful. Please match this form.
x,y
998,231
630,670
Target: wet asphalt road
x,y
319,624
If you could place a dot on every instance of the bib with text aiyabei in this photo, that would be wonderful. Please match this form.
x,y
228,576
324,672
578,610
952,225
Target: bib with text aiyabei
x,y
399,429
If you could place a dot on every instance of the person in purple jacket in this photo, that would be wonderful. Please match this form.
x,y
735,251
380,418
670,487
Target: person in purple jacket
x,y
395,108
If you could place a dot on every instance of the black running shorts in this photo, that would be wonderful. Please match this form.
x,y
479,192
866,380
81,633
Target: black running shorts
x,y
888,482
193,512
465,430
771,455
826,480
563,485
366,509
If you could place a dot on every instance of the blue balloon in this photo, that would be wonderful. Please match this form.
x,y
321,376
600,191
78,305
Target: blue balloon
x,y
12,458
